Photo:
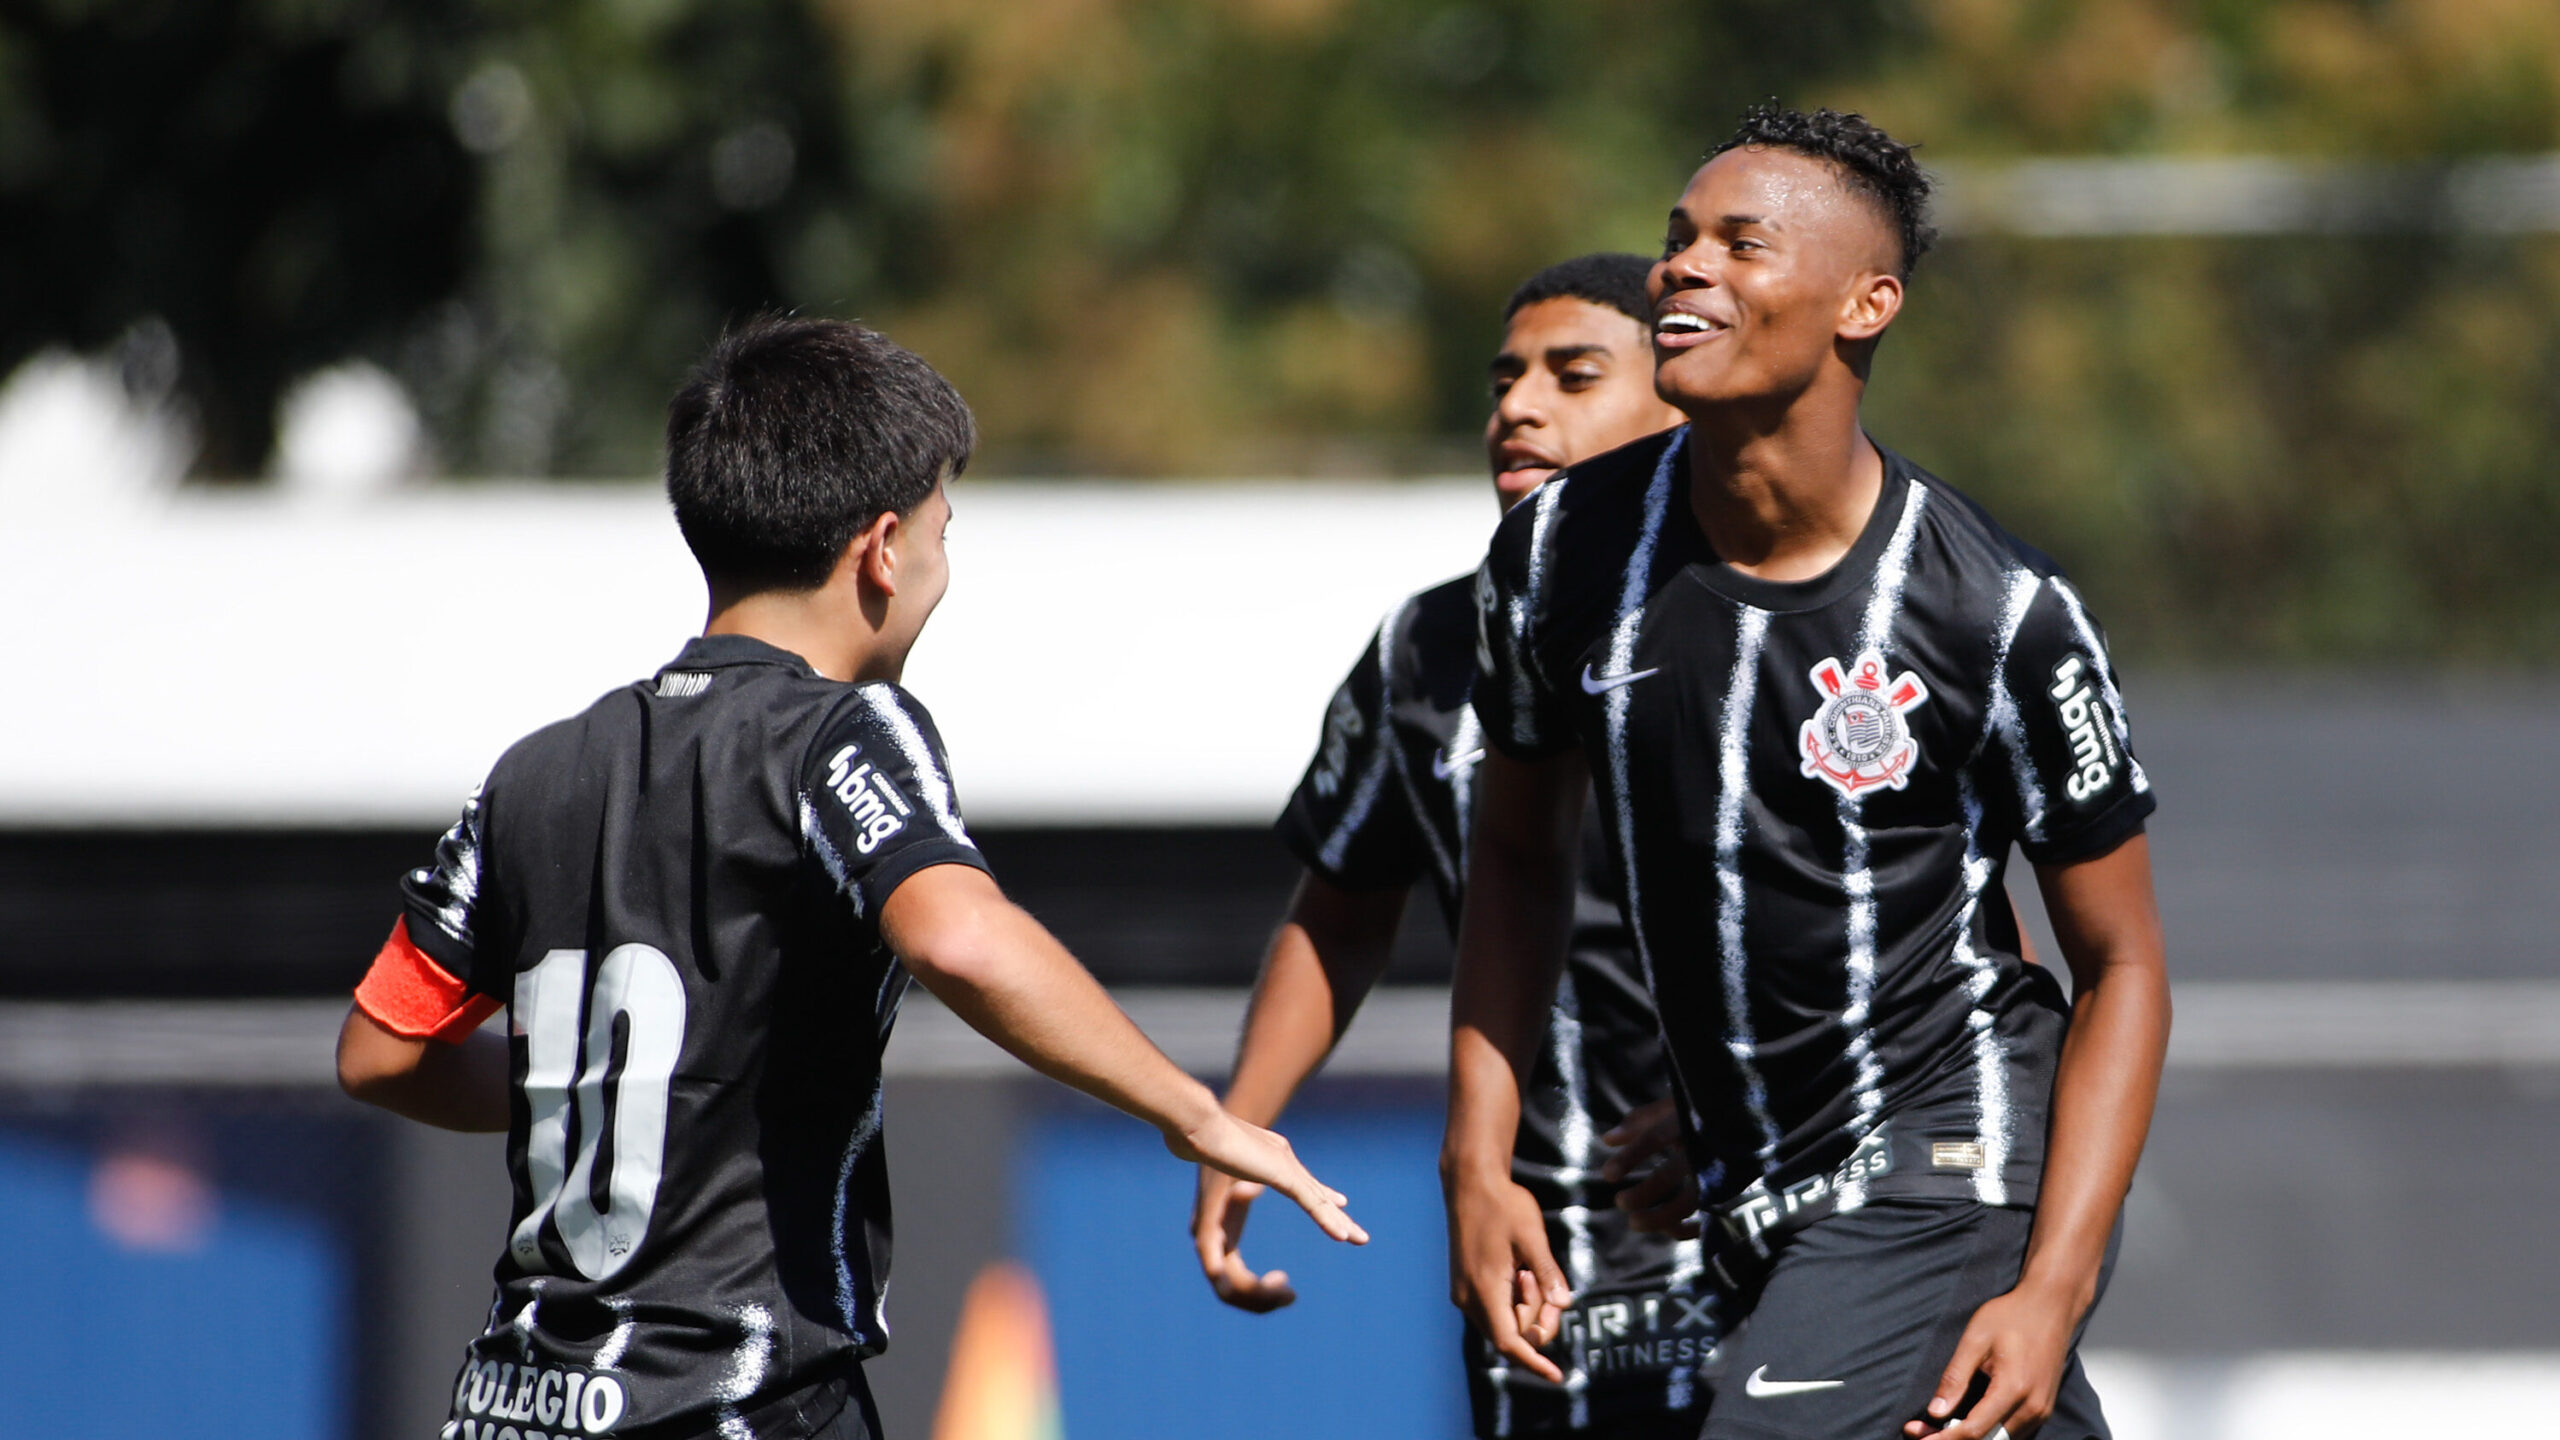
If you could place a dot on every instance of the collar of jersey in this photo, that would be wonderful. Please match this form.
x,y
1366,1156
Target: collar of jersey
x,y
1796,596
717,652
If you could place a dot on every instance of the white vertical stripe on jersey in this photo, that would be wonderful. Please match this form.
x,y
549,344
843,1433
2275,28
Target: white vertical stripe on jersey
x,y
1573,1146
2003,716
1524,608
849,1295
2106,669
1857,877
830,859
747,1366
1382,754
883,699
524,1321
1688,1262
1622,649
1452,873
618,1342
1990,1055
1498,1376
1462,760
1733,786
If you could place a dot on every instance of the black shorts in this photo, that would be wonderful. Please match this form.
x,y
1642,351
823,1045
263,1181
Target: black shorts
x,y
1857,1316
835,1406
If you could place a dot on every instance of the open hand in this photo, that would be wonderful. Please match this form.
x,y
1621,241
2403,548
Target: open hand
x,y
1217,1232
1249,1152
1664,1198
2018,1345
1502,1274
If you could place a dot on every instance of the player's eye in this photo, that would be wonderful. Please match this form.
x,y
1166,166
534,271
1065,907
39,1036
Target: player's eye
x,y
1500,386
1582,377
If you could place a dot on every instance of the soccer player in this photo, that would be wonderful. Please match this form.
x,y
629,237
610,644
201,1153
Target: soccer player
x,y
701,901
1821,694
1383,806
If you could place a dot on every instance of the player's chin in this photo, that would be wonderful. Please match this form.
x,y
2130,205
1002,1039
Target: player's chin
x,y
1517,485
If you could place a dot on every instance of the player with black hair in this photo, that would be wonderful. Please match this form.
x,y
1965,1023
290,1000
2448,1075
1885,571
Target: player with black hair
x,y
1383,807
701,902
1820,696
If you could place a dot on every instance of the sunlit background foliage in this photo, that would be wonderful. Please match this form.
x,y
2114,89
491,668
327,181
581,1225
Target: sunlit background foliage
x,y
1161,237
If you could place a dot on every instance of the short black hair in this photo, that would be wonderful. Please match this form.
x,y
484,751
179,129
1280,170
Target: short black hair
x,y
792,435
1610,279
1873,163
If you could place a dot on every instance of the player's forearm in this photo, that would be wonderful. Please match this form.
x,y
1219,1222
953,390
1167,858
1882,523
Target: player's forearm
x,y
2108,1076
1323,961
1511,942
1003,974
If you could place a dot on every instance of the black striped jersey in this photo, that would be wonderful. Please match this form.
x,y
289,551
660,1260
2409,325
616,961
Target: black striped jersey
x,y
1385,802
1812,789
678,894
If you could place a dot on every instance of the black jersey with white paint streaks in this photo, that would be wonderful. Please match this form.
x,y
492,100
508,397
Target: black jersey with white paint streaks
x,y
1813,789
678,893
1385,803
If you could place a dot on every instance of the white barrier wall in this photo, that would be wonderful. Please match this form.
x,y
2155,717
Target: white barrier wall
x,y
1108,652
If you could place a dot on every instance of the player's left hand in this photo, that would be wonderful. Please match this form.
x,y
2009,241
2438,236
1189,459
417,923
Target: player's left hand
x,y
2017,1345
1664,1198
1217,1232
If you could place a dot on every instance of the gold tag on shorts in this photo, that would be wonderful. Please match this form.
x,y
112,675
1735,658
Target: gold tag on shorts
x,y
1956,1154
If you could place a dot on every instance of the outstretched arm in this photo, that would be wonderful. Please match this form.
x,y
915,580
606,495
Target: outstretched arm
x,y
1511,943
1323,960
2109,930
1010,979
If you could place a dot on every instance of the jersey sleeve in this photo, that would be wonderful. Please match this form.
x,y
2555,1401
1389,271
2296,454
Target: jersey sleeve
x,y
2064,741
1348,820
876,799
1520,712
424,982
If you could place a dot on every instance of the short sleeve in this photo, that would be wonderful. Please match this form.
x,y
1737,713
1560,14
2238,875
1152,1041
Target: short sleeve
x,y
2065,742
876,799
423,983
1347,821
1519,711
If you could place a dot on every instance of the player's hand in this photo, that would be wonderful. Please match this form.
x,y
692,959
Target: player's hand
x,y
1502,1275
1647,1145
1249,1152
1217,1232
2017,1345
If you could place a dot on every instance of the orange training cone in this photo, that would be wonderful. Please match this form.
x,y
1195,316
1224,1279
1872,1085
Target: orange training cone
x,y
1003,1383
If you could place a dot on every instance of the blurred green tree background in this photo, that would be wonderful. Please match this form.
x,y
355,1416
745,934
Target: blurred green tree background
x,y
1159,237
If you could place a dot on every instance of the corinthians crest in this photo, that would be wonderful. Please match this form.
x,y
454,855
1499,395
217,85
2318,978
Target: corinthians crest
x,y
1860,739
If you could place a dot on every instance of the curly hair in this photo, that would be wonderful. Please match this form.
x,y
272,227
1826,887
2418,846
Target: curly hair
x,y
1873,164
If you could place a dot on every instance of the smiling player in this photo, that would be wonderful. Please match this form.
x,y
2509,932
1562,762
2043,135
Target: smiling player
x,y
1821,696
1384,805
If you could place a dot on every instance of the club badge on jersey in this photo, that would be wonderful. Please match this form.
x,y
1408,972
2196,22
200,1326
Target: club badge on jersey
x,y
1861,740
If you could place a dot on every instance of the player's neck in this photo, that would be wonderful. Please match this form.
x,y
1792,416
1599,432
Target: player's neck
x,y
1783,494
841,633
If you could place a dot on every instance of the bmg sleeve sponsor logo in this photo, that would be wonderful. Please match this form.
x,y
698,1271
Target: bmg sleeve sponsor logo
x,y
2084,726
878,810
498,1400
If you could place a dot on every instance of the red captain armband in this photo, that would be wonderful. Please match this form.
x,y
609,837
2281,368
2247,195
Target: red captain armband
x,y
409,994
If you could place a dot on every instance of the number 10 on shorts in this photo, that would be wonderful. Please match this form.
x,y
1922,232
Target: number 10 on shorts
x,y
633,1011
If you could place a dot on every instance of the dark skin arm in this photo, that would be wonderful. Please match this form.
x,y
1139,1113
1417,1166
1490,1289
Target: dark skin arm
x,y
2108,928
1511,944
1323,961
452,1087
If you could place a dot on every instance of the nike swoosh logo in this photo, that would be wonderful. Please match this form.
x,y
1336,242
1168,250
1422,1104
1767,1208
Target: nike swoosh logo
x,y
1761,1387
1444,764
1595,684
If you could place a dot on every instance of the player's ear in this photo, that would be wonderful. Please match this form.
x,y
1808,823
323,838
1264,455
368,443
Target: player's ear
x,y
1873,300
874,552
